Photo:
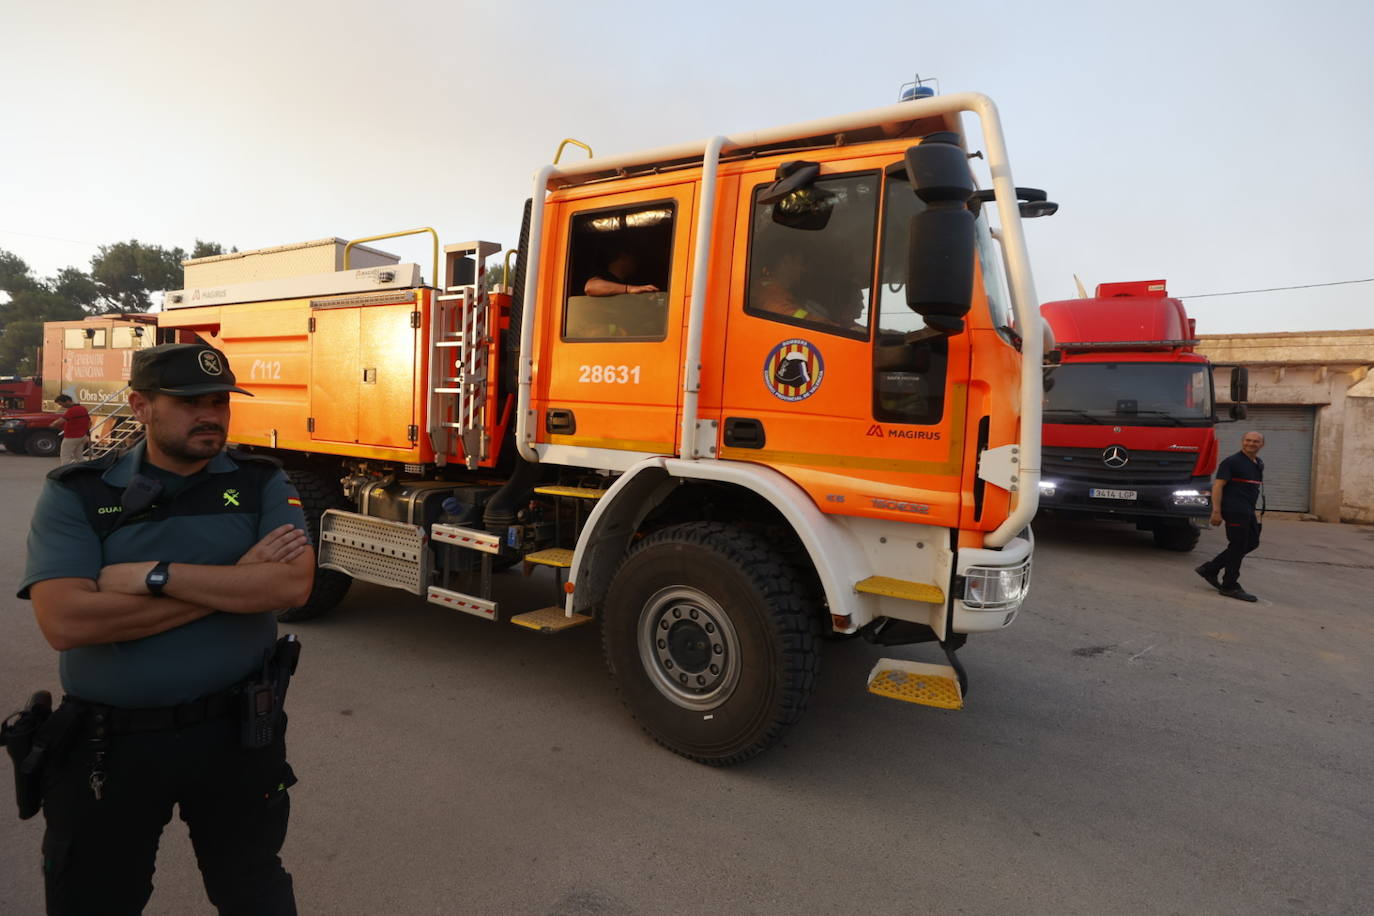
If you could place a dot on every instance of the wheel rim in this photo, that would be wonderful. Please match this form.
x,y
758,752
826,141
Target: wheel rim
x,y
689,647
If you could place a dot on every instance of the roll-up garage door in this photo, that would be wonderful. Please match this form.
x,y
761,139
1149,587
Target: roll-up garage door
x,y
1287,452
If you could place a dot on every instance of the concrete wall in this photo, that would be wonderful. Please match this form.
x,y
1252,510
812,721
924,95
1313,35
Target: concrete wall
x,y
1327,369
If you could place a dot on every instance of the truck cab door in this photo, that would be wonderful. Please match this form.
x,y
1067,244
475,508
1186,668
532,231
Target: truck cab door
x,y
827,376
608,375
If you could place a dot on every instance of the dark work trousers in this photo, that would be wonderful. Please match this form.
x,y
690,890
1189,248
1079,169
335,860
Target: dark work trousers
x,y
98,854
1242,536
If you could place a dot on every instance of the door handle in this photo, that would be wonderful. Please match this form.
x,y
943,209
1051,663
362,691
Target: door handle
x,y
560,421
744,432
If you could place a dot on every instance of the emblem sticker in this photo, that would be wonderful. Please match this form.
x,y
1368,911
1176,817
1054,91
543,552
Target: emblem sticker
x,y
231,497
793,370
210,364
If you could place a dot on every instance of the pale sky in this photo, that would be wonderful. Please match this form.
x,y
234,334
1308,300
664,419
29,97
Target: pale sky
x,y
1221,146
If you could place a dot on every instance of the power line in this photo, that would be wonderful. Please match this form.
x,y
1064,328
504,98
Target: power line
x,y
1276,289
51,238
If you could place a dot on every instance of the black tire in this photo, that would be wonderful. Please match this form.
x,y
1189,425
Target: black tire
x,y
1181,537
737,630
318,494
42,443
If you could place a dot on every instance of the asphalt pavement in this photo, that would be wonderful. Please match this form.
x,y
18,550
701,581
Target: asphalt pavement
x,y
1133,743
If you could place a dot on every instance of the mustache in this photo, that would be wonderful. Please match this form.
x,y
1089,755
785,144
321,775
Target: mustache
x,y
206,428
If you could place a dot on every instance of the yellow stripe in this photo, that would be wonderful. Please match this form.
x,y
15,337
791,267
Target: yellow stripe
x,y
624,445
812,459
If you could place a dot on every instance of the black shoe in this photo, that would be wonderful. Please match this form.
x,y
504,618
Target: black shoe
x,y
1238,593
1211,577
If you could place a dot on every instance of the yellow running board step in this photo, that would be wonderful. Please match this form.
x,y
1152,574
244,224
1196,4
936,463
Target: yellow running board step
x,y
900,588
576,492
549,620
553,556
916,682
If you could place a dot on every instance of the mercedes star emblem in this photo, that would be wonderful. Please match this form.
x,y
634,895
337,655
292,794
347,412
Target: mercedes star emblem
x,y
1115,457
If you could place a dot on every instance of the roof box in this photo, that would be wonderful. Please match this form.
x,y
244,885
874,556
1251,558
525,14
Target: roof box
x,y
317,257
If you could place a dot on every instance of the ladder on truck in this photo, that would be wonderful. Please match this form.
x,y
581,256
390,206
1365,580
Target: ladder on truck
x,y
113,425
460,337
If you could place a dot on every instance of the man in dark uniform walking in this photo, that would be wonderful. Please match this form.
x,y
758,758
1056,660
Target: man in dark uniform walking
x,y
1235,493
155,575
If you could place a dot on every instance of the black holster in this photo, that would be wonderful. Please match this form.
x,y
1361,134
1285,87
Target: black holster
x,y
35,737
264,697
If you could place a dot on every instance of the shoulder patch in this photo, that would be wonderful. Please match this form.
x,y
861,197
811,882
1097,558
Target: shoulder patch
x,y
241,455
100,465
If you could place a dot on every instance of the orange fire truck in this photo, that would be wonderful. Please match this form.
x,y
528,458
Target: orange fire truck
x,y
741,395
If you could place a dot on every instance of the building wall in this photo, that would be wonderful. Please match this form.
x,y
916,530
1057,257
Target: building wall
x,y
1327,369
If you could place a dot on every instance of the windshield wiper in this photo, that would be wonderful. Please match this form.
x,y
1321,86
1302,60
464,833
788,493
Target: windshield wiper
x,y
1173,420
1077,413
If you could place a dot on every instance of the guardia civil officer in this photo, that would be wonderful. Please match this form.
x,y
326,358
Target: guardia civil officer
x,y
1235,493
155,576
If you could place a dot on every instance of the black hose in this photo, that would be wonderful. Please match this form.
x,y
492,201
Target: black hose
x,y
500,510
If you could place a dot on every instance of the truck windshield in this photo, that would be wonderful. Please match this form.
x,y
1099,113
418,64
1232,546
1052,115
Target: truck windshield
x,y
1141,394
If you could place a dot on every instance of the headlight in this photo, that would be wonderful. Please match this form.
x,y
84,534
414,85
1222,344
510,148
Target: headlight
x,y
995,588
12,425
1047,487
1191,498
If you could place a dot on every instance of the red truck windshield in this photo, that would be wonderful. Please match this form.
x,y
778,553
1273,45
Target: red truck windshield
x,y
1138,394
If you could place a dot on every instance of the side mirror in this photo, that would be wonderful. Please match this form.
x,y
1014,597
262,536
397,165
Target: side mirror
x,y
1240,386
1239,412
1034,202
941,242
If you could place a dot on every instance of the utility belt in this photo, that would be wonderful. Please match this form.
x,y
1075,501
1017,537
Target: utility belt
x,y
38,736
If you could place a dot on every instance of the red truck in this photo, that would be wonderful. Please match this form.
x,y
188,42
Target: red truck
x,y
20,395
24,425
1129,413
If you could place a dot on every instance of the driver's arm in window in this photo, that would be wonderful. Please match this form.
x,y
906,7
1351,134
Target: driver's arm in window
x,y
621,275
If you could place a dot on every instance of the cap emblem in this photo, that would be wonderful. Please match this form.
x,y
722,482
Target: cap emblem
x,y
210,363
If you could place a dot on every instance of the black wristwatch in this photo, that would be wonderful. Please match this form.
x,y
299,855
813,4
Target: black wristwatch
x,y
157,578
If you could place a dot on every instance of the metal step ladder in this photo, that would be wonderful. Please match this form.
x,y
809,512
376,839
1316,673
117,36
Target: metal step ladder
x,y
113,425
460,334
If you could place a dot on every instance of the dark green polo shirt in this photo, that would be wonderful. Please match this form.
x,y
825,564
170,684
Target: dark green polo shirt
x,y
205,518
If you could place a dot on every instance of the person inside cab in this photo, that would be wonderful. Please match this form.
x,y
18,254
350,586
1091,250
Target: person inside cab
x,y
782,288
621,275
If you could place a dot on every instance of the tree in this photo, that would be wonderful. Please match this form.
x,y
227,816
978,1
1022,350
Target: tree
x,y
19,344
126,273
15,274
208,249
30,302
123,278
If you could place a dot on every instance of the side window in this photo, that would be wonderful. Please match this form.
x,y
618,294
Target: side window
x,y
811,256
908,366
75,339
619,262
121,338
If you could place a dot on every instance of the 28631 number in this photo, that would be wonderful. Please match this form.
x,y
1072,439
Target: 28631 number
x,y
609,375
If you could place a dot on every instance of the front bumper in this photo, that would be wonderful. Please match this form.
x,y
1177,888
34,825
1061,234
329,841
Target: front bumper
x,y
1180,499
